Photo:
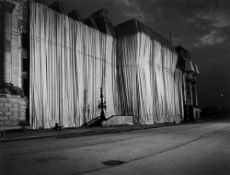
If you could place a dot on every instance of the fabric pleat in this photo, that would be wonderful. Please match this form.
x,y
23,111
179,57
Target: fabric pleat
x,y
70,62
150,84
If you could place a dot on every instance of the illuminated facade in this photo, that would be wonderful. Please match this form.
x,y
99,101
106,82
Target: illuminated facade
x,y
58,63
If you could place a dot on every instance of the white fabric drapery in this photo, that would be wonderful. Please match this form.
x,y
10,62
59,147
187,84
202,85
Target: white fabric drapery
x,y
151,90
70,61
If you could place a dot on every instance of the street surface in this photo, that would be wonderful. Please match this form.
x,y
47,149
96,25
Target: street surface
x,y
190,149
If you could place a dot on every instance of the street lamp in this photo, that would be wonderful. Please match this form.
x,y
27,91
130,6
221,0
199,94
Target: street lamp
x,y
102,105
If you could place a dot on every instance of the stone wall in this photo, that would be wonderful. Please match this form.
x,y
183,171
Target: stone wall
x,y
14,25
12,110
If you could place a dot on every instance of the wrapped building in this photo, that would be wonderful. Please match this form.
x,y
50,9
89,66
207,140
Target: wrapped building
x,y
150,86
70,60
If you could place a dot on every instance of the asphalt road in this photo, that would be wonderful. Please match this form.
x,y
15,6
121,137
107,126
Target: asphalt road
x,y
201,148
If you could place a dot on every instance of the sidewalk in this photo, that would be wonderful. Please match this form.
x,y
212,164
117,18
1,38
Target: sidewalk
x,y
19,134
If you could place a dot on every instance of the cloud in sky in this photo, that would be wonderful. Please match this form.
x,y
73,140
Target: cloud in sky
x,y
211,38
217,13
132,10
217,19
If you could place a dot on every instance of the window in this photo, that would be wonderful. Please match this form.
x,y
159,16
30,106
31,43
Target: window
x,y
25,41
25,65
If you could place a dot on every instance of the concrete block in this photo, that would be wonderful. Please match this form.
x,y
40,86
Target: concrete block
x,y
8,105
13,100
22,102
13,122
16,105
8,113
11,117
13,109
23,107
5,123
22,118
22,114
1,105
4,109
4,100
1,114
2,123
16,113
4,118
119,120
22,110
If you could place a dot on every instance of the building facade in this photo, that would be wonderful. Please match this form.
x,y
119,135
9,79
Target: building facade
x,y
54,64
13,58
191,73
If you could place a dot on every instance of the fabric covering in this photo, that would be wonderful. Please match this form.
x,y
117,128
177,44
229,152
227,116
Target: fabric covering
x,y
151,88
70,61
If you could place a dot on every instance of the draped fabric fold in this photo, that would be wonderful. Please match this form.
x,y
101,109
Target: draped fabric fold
x,y
150,88
70,61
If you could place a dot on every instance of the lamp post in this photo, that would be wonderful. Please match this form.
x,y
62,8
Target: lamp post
x,y
102,105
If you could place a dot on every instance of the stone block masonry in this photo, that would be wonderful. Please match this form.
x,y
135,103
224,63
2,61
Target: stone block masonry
x,y
12,110
13,24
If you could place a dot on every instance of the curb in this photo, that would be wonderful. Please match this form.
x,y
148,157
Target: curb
x,y
85,133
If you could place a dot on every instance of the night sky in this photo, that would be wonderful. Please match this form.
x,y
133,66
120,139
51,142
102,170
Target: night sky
x,y
200,26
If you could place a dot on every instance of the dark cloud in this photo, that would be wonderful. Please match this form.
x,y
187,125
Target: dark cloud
x,y
201,26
